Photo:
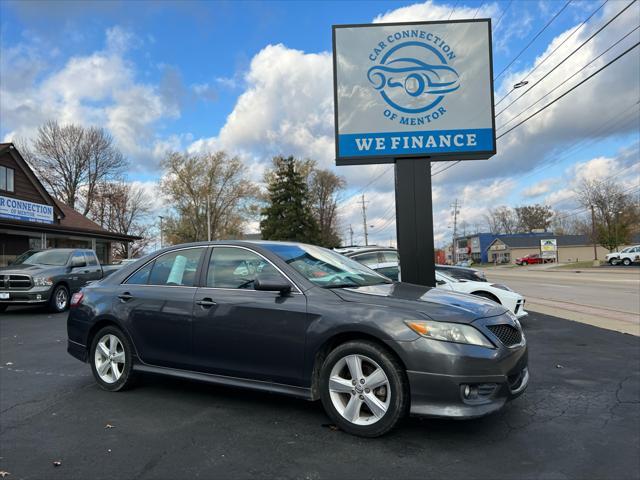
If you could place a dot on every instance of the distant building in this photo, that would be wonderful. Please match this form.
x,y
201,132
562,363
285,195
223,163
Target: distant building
x,y
30,218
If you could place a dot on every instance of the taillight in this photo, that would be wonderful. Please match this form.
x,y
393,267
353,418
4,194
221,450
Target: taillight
x,y
76,299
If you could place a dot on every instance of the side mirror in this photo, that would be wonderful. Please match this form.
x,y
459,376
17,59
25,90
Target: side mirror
x,y
78,262
440,282
272,284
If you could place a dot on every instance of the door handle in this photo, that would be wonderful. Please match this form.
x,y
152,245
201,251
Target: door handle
x,y
125,297
206,303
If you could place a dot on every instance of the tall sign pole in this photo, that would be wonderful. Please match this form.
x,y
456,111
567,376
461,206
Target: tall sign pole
x,y
412,94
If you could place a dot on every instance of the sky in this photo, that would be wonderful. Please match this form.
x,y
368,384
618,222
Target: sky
x,y
255,79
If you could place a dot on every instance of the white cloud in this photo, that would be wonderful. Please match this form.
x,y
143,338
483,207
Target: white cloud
x,y
540,188
97,89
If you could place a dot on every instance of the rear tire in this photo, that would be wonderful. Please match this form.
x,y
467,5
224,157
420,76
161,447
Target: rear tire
x,y
59,300
111,359
371,402
626,262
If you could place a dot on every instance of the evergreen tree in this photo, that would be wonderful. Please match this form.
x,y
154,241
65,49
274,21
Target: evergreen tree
x,y
288,215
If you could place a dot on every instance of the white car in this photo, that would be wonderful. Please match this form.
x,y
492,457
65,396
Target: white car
x,y
498,293
626,256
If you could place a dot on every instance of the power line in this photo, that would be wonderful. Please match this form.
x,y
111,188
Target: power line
x,y
569,78
570,90
533,39
554,50
453,9
565,59
502,15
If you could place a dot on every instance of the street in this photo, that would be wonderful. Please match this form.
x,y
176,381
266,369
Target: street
x,y
604,297
578,419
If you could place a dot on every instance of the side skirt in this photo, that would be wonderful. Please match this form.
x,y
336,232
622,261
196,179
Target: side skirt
x,y
300,392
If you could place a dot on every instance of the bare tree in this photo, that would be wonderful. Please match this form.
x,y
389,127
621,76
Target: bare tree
x,y
324,186
502,220
613,211
209,193
72,160
123,208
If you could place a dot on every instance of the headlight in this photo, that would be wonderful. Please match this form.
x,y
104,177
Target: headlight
x,y
501,287
450,332
42,281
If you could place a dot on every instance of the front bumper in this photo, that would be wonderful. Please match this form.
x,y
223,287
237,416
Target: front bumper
x,y
35,295
464,381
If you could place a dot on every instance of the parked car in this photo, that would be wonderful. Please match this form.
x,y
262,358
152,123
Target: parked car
x,y
39,277
493,291
530,259
381,259
304,321
626,256
385,261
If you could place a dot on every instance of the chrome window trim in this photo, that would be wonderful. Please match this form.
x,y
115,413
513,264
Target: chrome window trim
x,y
124,282
242,247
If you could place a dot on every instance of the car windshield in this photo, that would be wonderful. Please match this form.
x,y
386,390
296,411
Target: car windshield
x,y
626,250
43,257
326,268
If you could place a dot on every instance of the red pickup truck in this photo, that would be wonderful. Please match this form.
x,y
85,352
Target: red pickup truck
x,y
530,260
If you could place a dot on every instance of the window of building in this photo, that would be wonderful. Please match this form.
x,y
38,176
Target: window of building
x,y
6,179
237,268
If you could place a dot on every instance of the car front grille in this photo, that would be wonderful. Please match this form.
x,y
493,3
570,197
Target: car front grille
x,y
507,334
15,282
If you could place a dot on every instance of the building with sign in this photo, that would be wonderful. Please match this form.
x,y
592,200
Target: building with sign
x,y
30,218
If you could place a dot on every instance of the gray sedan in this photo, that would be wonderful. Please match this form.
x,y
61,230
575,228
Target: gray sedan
x,y
301,320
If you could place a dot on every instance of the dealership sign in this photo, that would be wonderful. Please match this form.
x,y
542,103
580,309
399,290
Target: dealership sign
x,y
549,248
23,210
413,90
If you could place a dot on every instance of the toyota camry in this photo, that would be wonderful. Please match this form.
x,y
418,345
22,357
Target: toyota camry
x,y
304,321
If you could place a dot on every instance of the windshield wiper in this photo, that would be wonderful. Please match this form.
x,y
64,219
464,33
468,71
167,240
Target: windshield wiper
x,y
342,285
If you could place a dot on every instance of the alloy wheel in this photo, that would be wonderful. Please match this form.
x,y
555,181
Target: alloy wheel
x,y
359,389
109,358
61,299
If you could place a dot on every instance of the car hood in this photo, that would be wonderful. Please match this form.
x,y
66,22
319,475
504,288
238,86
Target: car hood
x,y
435,303
27,269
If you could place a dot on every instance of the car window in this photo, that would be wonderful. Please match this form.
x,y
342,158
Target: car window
x,y
176,268
141,276
231,267
367,259
79,256
389,256
91,258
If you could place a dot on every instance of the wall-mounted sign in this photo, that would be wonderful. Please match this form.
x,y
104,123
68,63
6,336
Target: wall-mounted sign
x,y
420,89
23,210
549,247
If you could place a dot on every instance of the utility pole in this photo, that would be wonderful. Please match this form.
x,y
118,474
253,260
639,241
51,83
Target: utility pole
x,y
455,213
350,235
364,220
593,232
161,218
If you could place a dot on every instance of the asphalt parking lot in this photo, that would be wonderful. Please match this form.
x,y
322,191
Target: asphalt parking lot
x,y
580,418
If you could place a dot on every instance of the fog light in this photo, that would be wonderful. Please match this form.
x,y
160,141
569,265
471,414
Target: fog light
x,y
38,297
467,391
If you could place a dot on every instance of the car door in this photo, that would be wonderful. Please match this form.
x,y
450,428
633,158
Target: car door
x,y
77,265
156,305
93,270
242,332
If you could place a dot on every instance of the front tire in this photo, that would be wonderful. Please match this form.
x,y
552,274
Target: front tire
x,y
111,362
524,263
363,388
626,262
59,300
613,262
